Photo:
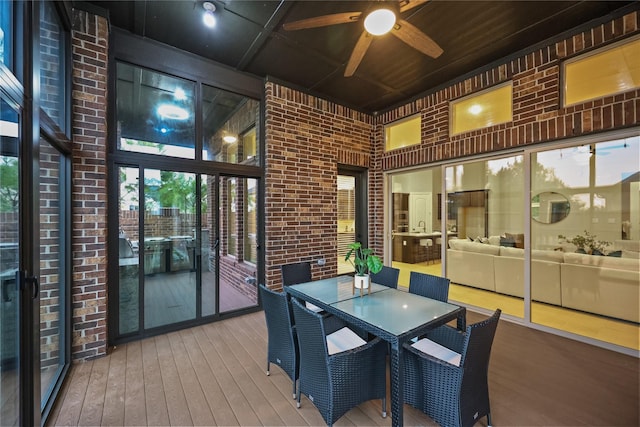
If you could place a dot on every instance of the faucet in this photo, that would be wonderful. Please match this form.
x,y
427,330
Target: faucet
x,y
424,226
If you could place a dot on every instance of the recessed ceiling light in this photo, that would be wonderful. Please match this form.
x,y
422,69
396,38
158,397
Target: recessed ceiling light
x,y
208,18
173,112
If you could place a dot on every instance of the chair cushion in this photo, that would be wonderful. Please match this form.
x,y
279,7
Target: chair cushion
x,y
436,350
313,307
342,340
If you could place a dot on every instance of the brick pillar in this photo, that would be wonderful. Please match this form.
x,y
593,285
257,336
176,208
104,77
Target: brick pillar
x,y
90,39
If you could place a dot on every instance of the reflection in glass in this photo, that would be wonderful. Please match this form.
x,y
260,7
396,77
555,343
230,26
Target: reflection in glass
x,y
6,33
156,112
230,123
238,243
169,247
9,264
52,274
601,182
128,249
52,64
549,207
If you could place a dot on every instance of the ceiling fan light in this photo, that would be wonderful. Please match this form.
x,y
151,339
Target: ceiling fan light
x,y
379,22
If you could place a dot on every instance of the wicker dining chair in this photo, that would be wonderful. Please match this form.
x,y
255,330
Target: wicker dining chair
x,y
336,383
434,287
283,341
388,276
454,392
430,286
298,272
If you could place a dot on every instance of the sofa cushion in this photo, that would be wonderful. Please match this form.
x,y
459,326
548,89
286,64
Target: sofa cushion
x,y
483,248
630,254
629,264
511,252
542,255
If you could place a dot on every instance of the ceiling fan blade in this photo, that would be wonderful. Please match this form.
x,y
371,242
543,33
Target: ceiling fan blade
x,y
410,4
416,39
322,21
358,53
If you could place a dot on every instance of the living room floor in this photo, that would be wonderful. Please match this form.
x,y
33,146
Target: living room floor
x,y
622,333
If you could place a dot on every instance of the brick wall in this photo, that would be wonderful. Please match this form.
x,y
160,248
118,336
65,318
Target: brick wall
x,y
538,115
306,139
49,255
89,196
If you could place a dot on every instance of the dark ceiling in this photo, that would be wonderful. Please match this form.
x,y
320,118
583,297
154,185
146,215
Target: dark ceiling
x,y
249,37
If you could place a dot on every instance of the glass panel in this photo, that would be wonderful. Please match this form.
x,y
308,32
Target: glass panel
x,y
588,263
231,132
251,221
156,112
6,33
9,264
485,261
169,247
346,220
128,250
416,226
238,284
482,109
52,274
208,245
607,71
52,64
402,133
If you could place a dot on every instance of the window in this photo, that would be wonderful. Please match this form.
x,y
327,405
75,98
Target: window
x,y
606,71
483,109
156,112
402,133
230,131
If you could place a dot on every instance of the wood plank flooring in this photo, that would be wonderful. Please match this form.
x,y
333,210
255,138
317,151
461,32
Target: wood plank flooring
x,y
215,375
618,332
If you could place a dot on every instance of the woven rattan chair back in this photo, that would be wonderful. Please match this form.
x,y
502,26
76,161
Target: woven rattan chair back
x,y
388,276
292,274
282,348
429,286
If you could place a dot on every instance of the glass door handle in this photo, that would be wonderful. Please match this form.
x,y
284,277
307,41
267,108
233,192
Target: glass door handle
x,y
29,281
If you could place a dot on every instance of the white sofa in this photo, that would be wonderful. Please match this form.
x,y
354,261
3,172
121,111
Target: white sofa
x,y
604,285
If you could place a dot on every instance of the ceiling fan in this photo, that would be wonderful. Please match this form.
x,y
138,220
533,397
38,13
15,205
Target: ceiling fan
x,y
383,19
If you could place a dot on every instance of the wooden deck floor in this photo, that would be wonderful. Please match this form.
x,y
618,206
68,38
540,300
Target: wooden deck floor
x,y
215,375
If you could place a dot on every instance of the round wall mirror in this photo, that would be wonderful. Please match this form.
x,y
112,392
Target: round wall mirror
x,y
549,207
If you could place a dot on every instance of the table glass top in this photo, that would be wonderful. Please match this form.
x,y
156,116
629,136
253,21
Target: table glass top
x,y
394,311
334,289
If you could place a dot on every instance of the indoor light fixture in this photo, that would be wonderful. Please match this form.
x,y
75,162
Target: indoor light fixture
x,y
475,109
208,18
379,22
173,112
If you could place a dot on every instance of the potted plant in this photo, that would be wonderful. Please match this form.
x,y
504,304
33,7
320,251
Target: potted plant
x,y
586,244
363,261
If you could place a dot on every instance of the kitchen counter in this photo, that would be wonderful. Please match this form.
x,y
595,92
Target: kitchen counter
x,y
406,246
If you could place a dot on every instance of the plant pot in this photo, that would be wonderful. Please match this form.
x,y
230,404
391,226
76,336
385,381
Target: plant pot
x,y
361,282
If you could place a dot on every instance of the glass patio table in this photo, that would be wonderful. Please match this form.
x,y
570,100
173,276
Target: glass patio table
x,y
394,315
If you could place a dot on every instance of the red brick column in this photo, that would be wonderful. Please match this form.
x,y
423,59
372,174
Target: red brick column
x,y
90,39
